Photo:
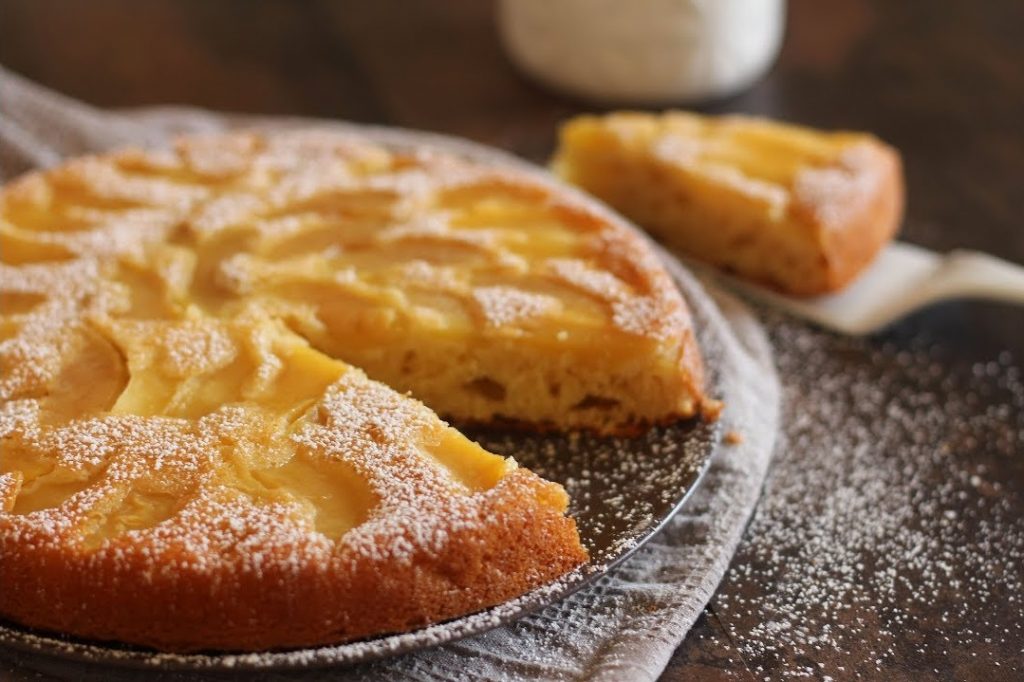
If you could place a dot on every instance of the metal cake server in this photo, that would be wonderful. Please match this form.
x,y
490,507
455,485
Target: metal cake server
x,y
902,279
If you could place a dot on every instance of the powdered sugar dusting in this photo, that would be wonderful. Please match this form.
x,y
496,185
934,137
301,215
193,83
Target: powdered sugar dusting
x,y
684,153
640,314
31,358
503,306
197,349
876,519
836,193
600,284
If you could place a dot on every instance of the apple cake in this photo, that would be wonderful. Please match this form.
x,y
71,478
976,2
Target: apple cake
x,y
799,210
212,359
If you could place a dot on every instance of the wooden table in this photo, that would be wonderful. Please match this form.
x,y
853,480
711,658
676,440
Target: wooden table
x,y
944,82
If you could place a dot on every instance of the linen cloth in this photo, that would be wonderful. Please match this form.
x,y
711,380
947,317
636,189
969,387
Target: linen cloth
x,y
626,625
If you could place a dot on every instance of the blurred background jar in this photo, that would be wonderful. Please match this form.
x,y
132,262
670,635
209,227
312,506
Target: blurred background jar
x,y
643,51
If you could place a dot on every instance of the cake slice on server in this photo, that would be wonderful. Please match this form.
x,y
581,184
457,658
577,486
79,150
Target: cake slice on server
x,y
799,210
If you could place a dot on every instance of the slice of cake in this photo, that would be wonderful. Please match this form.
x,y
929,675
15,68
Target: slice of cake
x,y
799,210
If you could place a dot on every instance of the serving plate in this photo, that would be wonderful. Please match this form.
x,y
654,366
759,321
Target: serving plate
x,y
622,491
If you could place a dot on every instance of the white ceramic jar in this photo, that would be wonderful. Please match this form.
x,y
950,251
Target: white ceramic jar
x,y
643,51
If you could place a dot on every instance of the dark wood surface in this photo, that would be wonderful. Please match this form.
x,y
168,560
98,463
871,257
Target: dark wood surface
x,y
944,82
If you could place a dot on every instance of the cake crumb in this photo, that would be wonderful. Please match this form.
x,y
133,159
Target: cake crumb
x,y
711,409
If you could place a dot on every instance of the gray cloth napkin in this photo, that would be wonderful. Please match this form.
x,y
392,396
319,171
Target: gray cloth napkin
x,y
625,626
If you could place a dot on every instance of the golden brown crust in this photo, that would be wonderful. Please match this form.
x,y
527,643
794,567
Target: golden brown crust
x,y
515,547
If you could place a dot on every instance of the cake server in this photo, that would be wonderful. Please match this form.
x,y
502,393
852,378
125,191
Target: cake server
x,y
902,279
